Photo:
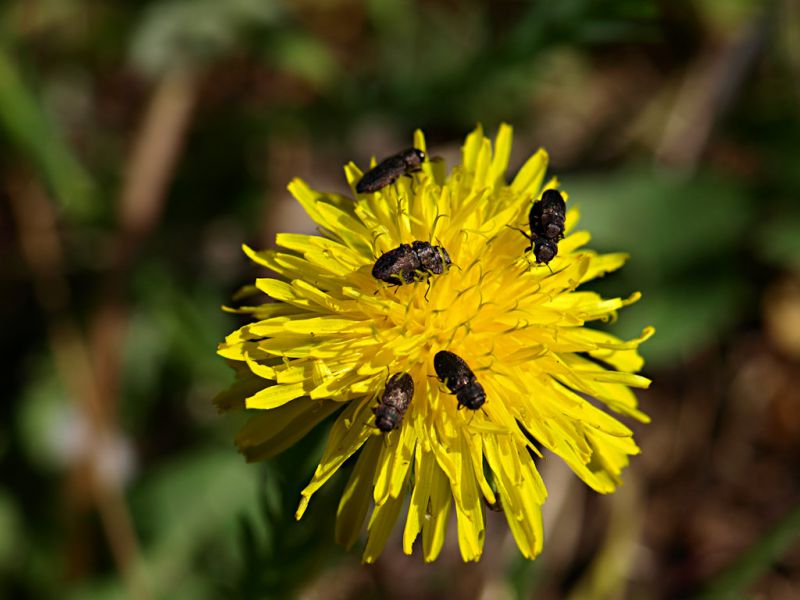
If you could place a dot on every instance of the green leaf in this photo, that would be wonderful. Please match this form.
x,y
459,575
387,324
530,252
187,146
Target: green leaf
x,y
304,56
780,241
12,543
688,315
28,126
669,224
189,504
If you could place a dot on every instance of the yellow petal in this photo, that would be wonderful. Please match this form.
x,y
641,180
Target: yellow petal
x,y
348,434
423,480
269,433
234,397
502,152
395,463
471,149
380,526
356,498
469,508
529,178
276,395
435,525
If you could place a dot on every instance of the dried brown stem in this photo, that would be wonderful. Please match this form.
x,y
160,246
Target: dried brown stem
x,y
147,175
707,90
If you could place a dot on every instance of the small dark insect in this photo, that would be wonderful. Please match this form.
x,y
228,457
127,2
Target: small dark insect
x,y
394,402
459,379
389,169
547,216
402,264
546,220
544,249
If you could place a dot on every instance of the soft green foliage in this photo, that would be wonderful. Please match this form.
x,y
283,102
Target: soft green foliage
x,y
180,33
28,126
688,236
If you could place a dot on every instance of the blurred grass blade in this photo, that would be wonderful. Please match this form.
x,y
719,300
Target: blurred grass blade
x,y
755,561
27,126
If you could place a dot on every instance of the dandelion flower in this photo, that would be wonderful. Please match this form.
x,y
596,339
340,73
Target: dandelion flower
x,y
330,335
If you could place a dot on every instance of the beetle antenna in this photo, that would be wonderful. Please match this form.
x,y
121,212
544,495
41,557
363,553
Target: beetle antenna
x,y
530,238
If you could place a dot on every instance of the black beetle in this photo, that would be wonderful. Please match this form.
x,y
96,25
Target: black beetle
x,y
394,402
389,169
546,218
544,249
402,264
548,215
454,372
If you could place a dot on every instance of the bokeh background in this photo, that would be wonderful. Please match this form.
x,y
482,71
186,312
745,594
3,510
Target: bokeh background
x,y
142,142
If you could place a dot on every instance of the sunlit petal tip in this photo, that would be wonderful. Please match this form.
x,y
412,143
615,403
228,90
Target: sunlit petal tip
x,y
353,174
419,140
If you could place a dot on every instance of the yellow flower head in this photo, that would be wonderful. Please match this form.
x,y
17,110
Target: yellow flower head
x,y
333,335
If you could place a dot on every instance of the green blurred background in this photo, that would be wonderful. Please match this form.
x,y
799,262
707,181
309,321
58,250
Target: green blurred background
x,y
142,142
